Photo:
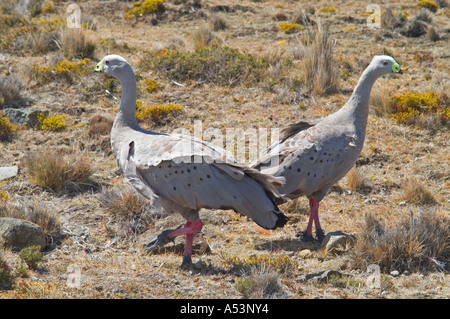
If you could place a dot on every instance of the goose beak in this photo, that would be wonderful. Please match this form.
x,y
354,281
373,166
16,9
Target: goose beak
x,y
99,67
396,68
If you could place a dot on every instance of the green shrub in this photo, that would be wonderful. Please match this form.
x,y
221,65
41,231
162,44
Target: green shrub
x,y
7,129
289,27
31,256
144,8
430,5
218,65
328,9
65,70
52,123
158,112
6,276
409,107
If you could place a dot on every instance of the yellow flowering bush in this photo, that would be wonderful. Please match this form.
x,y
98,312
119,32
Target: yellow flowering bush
x,y
52,123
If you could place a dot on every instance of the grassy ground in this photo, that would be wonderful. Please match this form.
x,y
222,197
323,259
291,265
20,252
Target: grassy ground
x,y
95,249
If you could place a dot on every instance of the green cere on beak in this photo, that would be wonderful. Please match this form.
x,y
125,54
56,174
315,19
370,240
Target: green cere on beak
x,y
99,67
396,68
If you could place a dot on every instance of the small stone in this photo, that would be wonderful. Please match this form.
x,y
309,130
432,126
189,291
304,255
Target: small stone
x,y
337,242
8,172
305,253
402,204
406,273
395,273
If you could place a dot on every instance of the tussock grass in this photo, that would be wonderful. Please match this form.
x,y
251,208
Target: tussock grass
x,y
74,43
55,172
416,193
10,89
321,73
129,209
204,37
218,22
355,180
260,284
419,243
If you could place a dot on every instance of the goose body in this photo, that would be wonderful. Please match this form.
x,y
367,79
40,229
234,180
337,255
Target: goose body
x,y
183,174
312,157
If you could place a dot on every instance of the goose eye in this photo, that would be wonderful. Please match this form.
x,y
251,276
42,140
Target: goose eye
x,y
385,63
107,62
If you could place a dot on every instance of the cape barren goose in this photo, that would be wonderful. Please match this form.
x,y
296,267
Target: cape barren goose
x,y
314,156
184,174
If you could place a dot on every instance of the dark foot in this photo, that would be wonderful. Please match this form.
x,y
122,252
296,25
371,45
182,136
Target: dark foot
x,y
320,234
187,262
160,240
304,237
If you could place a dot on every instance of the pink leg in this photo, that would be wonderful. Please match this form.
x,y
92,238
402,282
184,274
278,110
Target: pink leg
x,y
314,205
189,229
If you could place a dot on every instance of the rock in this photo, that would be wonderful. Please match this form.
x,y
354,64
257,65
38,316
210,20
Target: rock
x,y
337,242
305,253
395,273
322,276
19,234
24,116
8,172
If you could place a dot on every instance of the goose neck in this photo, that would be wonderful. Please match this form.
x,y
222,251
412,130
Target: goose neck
x,y
127,111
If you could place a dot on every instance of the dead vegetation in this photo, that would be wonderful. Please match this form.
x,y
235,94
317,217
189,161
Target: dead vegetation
x,y
319,62
415,243
56,172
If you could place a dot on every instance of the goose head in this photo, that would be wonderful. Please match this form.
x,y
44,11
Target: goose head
x,y
384,64
114,65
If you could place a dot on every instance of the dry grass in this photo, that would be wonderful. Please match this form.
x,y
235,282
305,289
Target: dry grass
x,y
55,172
260,284
74,43
416,193
419,243
380,102
320,69
355,180
130,210
204,37
99,125
218,22
10,89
